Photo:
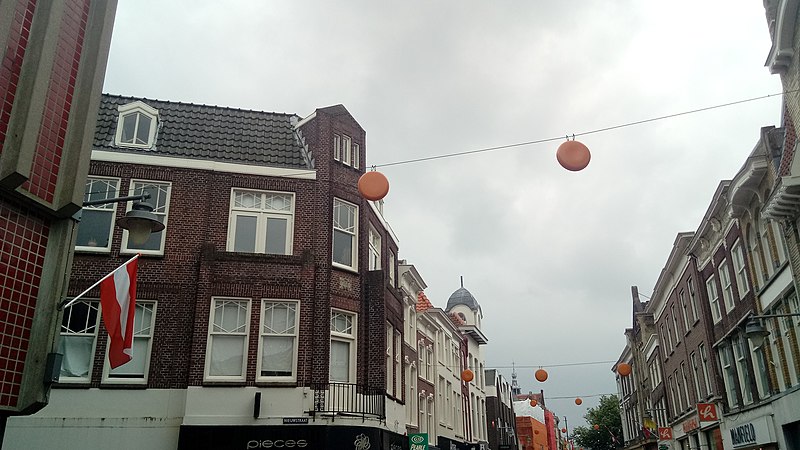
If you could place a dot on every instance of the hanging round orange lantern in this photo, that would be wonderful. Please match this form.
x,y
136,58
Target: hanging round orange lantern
x,y
578,401
563,430
597,427
573,155
534,402
624,369
541,375
467,375
373,185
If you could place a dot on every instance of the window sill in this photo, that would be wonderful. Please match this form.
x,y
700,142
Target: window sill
x,y
344,268
92,251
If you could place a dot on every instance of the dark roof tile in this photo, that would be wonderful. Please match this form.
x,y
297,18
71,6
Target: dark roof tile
x,y
214,133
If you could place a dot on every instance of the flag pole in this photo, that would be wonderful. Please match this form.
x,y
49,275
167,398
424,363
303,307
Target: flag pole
x,y
66,303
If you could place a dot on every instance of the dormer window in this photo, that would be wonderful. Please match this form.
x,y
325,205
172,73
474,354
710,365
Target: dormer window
x,y
346,151
136,126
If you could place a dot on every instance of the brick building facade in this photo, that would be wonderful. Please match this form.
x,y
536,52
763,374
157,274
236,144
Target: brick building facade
x,y
271,297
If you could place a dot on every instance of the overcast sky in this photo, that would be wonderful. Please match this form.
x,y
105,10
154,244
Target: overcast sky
x,y
549,254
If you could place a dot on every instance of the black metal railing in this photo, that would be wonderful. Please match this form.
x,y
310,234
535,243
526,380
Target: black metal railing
x,y
347,399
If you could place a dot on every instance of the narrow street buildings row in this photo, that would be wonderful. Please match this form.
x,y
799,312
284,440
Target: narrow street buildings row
x,y
272,310
708,370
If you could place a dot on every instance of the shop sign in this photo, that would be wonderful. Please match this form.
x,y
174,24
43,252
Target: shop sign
x,y
294,420
664,434
756,432
691,424
707,412
418,441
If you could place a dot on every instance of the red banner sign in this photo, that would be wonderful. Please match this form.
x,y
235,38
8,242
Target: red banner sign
x,y
665,434
707,412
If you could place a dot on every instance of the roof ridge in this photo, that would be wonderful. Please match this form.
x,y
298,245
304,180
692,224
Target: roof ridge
x,y
200,104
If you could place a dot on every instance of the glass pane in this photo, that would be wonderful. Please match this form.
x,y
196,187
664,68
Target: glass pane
x,y
94,229
135,367
100,189
158,194
229,317
244,239
340,361
81,317
279,202
277,355
244,199
276,235
128,128
227,353
143,319
279,318
143,132
342,248
77,351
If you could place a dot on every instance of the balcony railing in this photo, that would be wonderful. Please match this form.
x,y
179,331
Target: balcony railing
x,y
344,399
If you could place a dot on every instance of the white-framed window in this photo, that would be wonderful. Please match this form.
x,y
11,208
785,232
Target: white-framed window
x,y
374,249
440,402
261,222
392,264
685,384
97,222
692,299
675,324
449,409
343,346
136,125
761,370
278,343
398,374
695,376
737,256
728,375
346,149
727,287
670,342
78,340
740,354
423,403
356,155
345,234
135,370
713,299
228,331
337,147
159,199
389,357
704,363
684,310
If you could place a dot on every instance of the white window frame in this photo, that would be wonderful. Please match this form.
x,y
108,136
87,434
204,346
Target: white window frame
x,y
374,242
262,215
684,310
346,149
675,324
760,369
704,363
356,155
692,300
392,263
353,232
245,334
389,357
737,256
727,287
139,332
111,208
263,334
713,299
695,376
142,108
351,338
398,374
161,210
90,304
728,374
740,356
337,147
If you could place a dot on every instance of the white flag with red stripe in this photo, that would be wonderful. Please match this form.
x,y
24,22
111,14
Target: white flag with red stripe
x,y
118,300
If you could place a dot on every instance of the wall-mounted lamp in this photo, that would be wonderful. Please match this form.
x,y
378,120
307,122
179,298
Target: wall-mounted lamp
x,y
139,221
756,332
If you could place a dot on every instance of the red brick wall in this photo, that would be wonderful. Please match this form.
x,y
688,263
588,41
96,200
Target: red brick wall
x,y
23,241
13,55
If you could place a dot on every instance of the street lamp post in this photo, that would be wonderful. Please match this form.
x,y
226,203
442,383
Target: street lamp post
x,y
756,332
